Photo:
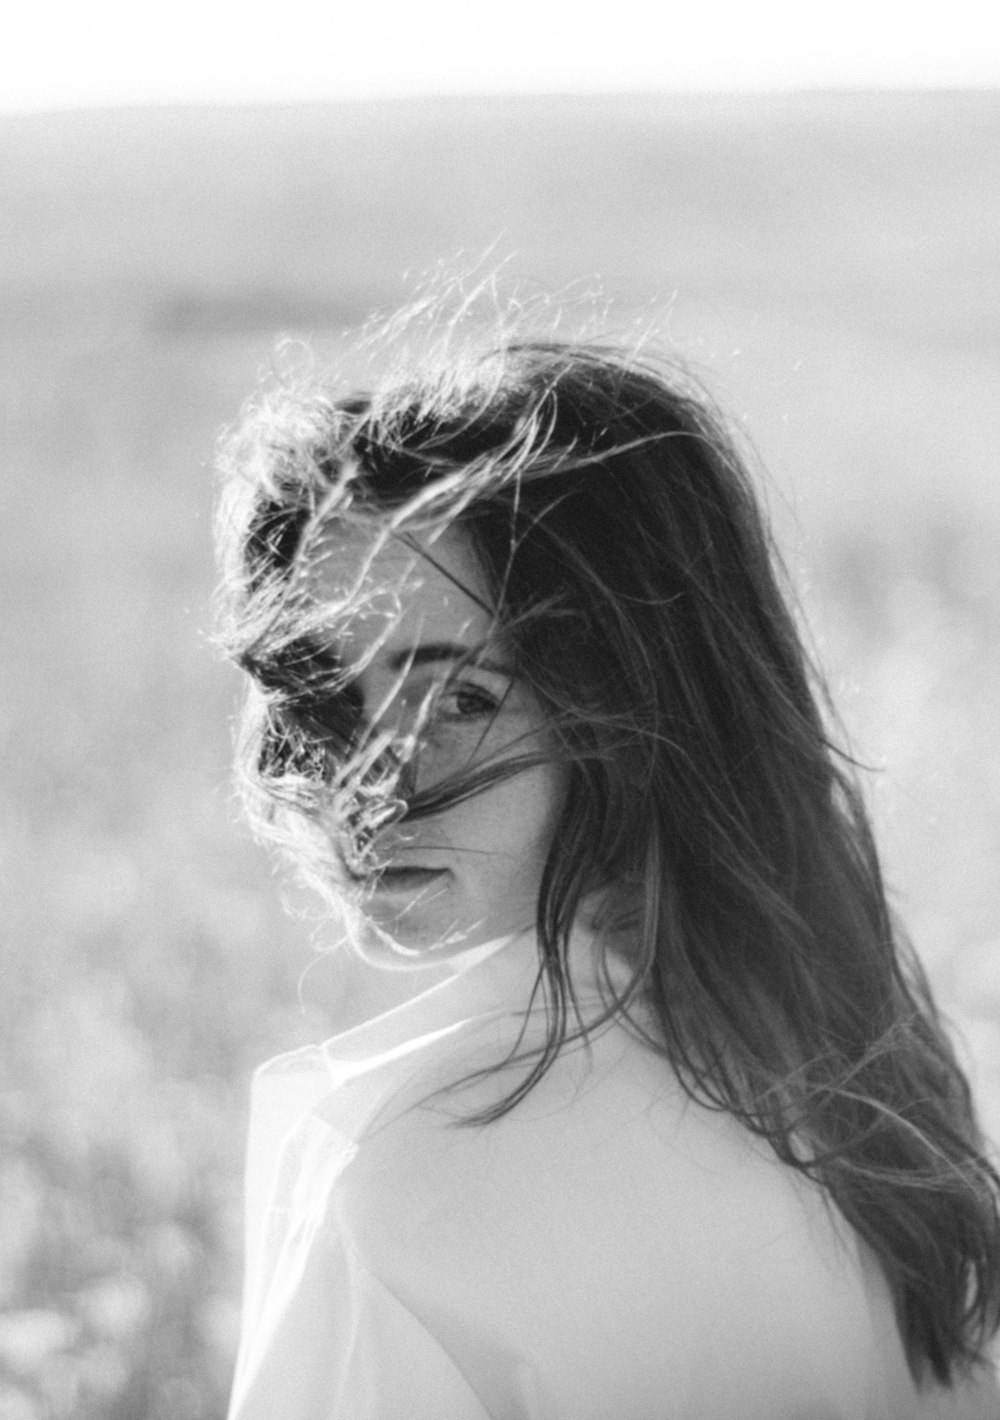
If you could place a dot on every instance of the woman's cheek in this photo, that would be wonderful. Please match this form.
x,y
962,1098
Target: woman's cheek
x,y
522,815
447,749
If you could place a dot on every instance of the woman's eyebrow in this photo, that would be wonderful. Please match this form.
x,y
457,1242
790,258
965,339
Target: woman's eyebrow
x,y
436,651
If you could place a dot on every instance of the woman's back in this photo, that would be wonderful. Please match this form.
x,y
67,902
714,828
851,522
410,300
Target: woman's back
x,y
608,1248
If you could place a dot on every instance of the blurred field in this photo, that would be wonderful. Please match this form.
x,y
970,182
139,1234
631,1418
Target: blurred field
x,y
829,263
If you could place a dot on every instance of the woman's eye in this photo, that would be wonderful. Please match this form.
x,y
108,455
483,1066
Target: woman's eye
x,y
466,702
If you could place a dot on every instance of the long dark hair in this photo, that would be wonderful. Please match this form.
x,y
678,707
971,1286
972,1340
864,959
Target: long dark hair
x,y
632,574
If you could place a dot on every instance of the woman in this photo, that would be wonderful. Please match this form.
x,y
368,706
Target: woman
x,y
660,1121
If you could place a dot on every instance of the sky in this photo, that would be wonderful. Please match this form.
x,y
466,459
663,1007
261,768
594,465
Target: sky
x,y
75,53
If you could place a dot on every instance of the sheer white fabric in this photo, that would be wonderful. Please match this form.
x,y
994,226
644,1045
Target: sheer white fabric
x,y
607,1251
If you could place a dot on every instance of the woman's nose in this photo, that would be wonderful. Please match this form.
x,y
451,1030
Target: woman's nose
x,y
395,764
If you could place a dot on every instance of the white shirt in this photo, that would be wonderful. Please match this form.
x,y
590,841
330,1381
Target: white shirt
x,y
606,1251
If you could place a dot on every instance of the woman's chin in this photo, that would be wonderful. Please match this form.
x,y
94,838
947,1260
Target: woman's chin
x,y
411,938
416,939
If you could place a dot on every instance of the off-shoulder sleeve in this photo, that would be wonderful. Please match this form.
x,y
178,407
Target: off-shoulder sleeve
x,y
609,1249
343,1347
605,1251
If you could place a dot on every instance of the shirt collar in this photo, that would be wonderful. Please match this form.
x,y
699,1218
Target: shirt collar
x,y
492,979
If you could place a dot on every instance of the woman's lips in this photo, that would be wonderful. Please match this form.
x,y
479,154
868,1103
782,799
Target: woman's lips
x,y
407,880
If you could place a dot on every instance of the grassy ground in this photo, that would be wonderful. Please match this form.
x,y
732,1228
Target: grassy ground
x,y
827,263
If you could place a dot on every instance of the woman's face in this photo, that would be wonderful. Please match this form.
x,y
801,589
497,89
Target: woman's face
x,y
426,662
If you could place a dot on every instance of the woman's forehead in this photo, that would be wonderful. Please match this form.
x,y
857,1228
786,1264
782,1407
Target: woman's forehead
x,y
399,594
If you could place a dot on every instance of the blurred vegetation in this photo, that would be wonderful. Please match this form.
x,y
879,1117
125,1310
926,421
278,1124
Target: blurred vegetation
x,y
828,262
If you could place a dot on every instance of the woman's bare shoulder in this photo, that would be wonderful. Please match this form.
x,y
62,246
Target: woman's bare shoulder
x,y
606,1142
607,1193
